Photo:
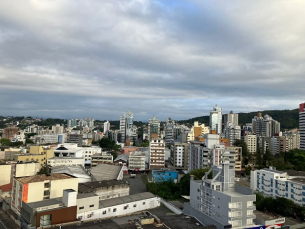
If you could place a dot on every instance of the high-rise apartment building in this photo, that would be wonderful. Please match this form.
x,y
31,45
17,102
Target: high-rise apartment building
x,y
216,119
106,127
302,125
10,132
169,131
265,126
179,154
156,153
153,128
72,123
75,138
251,142
196,131
232,132
127,129
58,129
231,117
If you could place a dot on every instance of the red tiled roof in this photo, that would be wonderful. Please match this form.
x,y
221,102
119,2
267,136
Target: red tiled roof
x,y
6,187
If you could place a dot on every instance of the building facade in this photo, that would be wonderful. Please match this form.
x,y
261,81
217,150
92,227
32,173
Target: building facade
x,y
302,125
40,187
157,153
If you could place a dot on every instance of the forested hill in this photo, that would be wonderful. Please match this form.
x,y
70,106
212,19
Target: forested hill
x,y
289,119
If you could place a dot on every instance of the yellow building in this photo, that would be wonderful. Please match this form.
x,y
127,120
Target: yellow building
x,y
37,154
40,187
197,130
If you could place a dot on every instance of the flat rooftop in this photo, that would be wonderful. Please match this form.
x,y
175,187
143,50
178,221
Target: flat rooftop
x,y
92,186
126,199
85,195
272,170
43,177
45,203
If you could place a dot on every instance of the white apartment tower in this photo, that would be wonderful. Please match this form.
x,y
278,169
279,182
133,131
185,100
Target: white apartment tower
x,y
106,127
216,119
127,129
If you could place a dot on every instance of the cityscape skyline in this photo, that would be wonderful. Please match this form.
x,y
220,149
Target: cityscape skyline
x,y
165,58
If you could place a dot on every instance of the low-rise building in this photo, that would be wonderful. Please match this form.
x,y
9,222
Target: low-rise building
x,y
49,212
66,161
279,184
114,207
99,158
40,187
164,175
75,171
36,154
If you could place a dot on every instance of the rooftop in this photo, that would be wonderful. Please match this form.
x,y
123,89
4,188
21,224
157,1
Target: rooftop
x,y
44,203
85,195
300,180
6,187
295,173
273,171
123,157
73,170
105,172
125,199
92,186
43,177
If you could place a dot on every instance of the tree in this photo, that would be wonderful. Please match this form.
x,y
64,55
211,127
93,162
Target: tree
x,y
145,143
45,169
5,142
29,141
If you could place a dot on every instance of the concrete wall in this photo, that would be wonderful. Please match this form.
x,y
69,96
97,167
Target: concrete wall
x,y
5,174
27,169
83,205
117,191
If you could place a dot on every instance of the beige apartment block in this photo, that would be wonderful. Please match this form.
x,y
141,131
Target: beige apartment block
x,y
251,141
36,154
40,187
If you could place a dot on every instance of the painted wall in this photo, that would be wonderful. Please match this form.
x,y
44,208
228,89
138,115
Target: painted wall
x,y
28,169
57,186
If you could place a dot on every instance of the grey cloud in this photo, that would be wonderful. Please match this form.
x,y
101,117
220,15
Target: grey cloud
x,y
173,59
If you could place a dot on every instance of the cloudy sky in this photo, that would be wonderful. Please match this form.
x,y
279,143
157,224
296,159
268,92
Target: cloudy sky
x,y
73,59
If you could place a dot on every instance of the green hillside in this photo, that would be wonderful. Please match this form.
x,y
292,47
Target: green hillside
x,y
289,119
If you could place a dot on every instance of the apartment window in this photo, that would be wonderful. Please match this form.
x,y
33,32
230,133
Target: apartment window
x,y
46,193
249,203
143,203
91,206
249,221
125,207
104,212
134,205
250,212
80,208
46,185
114,210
